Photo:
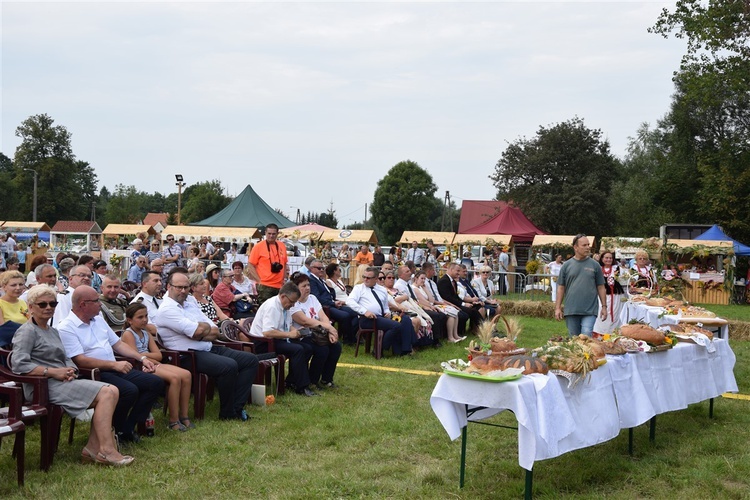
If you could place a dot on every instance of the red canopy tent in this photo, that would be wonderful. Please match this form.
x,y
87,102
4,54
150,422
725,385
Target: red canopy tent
x,y
510,221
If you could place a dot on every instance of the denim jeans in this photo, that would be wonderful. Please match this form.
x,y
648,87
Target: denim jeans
x,y
580,324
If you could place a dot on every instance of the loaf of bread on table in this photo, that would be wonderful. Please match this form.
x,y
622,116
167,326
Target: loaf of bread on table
x,y
642,332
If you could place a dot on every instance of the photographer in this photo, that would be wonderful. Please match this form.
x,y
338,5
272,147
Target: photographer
x,y
267,264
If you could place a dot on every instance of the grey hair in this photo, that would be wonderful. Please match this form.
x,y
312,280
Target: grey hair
x,y
38,291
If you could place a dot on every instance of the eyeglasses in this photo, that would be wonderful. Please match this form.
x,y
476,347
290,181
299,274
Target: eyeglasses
x,y
170,239
319,268
177,287
84,275
44,305
485,272
368,277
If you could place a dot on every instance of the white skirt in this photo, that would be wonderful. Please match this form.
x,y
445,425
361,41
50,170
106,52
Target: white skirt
x,y
614,308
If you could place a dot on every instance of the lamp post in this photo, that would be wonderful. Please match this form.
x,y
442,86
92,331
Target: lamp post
x,y
180,185
297,219
35,179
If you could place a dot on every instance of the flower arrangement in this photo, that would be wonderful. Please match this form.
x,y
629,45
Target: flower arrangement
x,y
116,260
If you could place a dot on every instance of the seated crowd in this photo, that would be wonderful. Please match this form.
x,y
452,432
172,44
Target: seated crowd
x,y
72,314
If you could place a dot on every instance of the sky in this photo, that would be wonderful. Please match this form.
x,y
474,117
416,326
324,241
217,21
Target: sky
x,y
312,103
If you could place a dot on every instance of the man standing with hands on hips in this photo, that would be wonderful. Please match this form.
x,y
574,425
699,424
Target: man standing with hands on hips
x,y
581,285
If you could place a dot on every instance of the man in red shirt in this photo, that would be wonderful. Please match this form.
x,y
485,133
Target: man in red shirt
x,y
267,264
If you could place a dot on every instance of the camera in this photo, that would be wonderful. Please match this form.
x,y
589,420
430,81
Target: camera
x,y
276,267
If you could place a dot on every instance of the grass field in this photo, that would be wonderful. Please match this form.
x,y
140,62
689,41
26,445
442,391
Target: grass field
x,y
377,437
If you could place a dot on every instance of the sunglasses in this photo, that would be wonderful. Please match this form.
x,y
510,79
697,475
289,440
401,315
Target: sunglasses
x,y
485,272
381,278
44,305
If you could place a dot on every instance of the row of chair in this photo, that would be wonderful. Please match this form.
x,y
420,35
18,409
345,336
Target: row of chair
x,y
19,413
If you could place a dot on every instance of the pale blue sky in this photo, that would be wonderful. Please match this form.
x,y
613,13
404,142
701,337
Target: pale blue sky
x,y
312,102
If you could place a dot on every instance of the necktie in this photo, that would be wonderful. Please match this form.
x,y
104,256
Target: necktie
x,y
382,310
434,295
155,302
411,292
455,286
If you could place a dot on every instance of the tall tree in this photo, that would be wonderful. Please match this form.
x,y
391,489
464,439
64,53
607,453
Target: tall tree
x,y
641,196
710,112
204,199
66,187
561,178
403,199
8,205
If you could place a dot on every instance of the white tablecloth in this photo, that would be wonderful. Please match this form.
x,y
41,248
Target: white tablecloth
x,y
554,419
650,316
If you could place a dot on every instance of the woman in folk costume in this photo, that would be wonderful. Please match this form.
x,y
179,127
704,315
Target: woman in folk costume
x,y
614,295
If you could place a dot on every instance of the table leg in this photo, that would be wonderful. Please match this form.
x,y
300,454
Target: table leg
x,y
527,494
630,441
463,456
711,408
652,429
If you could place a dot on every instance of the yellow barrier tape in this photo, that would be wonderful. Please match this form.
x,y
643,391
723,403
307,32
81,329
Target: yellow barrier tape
x,y
389,369
736,396
437,374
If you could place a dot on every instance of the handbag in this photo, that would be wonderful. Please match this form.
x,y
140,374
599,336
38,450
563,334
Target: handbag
x,y
319,336
242,306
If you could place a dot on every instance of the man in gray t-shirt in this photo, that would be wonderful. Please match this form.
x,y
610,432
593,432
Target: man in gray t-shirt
x,y
581,284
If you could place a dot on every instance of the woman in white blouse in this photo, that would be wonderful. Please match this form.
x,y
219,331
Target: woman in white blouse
x,y
333,271
242,282
485,287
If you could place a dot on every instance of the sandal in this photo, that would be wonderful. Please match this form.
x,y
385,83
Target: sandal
x,y
176,426
189,425
103,459
87,457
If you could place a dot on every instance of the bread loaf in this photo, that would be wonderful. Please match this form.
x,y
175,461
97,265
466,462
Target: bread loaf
x,y
529,364
502,344
642,332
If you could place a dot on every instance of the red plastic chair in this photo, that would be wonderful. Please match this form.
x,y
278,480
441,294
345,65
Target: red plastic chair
x,y
12,424
371,335
268,362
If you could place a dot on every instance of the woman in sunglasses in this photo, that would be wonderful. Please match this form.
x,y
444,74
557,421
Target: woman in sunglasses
x,y
13,310
38,351
486,288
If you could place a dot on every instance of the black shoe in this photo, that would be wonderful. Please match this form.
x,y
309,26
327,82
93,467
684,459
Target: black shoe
x,y
437,344
327,385
132,437
307,392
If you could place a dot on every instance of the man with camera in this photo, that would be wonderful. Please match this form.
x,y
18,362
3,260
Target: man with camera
x,y
266,264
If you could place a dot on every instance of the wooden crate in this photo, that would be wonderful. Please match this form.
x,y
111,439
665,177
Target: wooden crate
x,y
698,295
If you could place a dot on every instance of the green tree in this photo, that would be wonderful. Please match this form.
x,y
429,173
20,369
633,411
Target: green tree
x,y
66,187
638,195
125,205
202,200
403,199
561,178
8,205
709,120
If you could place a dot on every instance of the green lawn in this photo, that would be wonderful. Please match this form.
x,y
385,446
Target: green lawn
x,y
376,436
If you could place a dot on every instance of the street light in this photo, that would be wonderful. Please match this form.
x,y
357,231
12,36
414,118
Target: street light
x,y
297,220
180,185
35,179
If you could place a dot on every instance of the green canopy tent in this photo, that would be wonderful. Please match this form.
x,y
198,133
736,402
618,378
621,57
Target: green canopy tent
x,y
246,210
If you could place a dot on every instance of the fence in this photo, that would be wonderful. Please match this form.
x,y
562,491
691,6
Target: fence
x,y
526,286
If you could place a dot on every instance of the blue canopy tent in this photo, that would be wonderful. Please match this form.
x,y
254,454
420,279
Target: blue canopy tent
x,y
716,234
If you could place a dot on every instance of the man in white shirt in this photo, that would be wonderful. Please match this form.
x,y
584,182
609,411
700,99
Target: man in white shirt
x,y
45,274
91,344
439,320
150,288
274,321
79,275
370,301
415,254
183,326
